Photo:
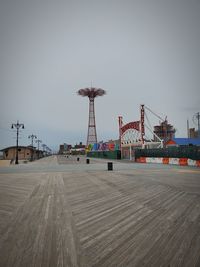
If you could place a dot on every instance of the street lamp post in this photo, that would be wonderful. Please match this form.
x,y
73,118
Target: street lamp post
x,y
32,136
38,142
44,147
47,150
17,126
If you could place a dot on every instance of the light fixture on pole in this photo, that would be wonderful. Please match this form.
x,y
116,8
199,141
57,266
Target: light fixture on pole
x,y
32,136
44,149
38,142
17,126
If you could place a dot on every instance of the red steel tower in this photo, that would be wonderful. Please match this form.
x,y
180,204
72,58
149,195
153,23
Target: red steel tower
x,y
91,93
142,123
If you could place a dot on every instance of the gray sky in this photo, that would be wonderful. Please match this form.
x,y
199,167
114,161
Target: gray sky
x,y
138,51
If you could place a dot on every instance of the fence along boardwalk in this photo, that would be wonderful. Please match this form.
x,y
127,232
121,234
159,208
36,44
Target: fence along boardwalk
x,y
97,218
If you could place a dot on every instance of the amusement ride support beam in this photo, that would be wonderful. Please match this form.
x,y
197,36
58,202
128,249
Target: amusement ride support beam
x,y
154,114
92,132
142,123
120,120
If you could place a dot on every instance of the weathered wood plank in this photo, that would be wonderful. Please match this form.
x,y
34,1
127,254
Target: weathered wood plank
x,y
40,234
122,218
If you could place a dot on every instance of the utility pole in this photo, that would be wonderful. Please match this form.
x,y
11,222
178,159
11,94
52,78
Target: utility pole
x,y
38,142
188,129
32,136
198,123
17,126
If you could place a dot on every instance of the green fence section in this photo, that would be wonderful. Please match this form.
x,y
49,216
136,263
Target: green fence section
x,y
191,152
105,154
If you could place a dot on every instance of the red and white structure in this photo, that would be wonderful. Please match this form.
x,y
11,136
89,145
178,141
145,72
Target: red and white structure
x,y
171,161
91,93
134,135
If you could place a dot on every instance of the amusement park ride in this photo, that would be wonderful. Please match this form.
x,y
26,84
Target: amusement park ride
x,y
91,93
136,133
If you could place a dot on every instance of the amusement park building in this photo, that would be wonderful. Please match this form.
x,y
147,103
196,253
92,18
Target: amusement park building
x,y
78,149
193,133
64,149
164,131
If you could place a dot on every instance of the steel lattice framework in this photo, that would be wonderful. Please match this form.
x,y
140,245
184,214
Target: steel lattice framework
x,y
91,93
134,133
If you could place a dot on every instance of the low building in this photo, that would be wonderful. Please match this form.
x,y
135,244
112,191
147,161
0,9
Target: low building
x,y
193,133
78,149
24,153
79,146
183,142
64,149
61,150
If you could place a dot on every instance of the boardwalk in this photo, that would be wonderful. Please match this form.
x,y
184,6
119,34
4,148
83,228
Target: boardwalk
x,y
66,213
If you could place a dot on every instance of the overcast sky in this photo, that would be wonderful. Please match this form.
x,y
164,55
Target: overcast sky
x,y
140,52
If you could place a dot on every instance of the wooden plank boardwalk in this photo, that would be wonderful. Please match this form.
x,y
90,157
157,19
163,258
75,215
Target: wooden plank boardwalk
x,y
99,218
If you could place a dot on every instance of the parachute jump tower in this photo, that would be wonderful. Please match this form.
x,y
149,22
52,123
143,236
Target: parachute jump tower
x,y
91,93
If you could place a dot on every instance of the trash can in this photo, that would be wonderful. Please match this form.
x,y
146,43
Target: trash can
x,y
88,161
110,166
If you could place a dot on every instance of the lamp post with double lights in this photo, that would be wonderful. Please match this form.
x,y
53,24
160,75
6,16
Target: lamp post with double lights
x,y
48,151
32,136
44,151
17,126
